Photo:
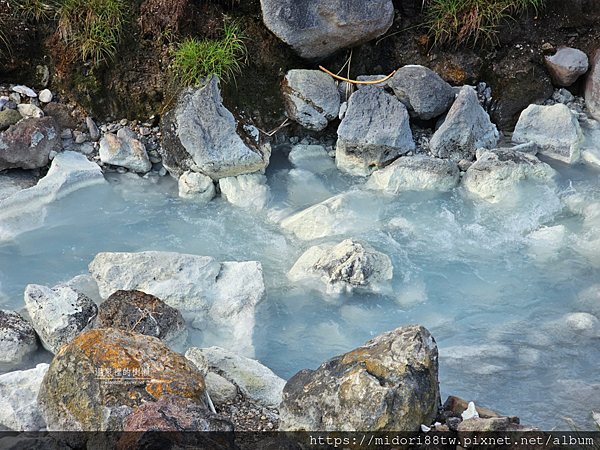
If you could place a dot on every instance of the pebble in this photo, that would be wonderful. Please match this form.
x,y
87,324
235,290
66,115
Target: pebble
x,y
162,172
123,122
24,90
66,134
15,97
45,96
10,105
145,131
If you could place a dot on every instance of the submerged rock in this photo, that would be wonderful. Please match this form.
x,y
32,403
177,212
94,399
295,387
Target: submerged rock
x,y
58,314
247,191
311,98
313,158
28,143
375,131
495,175
18,397
584,324
336,215
111,368
258,383
416,173
389,383
422,91
554,130
318,28
466,128
17,338
199,134
143,313
566,65
219,297
344,267
196,186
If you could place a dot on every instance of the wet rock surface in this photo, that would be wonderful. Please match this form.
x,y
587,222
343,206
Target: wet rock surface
x,y
17,338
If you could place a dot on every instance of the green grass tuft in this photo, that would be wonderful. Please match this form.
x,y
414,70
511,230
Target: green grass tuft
x,y
92,27
472,20
194,60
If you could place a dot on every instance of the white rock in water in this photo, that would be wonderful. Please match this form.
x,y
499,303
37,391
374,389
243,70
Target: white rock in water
x,y
344,267
58,314
29,110
18,397
470,412
495,175
25,210
24,90
416,173
46,96
553,129
584,324
219,297
196,186
257,382
425,428
247,191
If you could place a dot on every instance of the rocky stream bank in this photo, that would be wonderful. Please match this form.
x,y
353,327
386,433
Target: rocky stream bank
x,y
119,334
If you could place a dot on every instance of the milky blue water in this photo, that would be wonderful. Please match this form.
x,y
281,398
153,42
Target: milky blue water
x,y
494,298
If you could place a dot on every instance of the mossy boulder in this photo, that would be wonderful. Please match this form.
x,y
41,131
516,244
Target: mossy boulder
x,y
389,383
110,368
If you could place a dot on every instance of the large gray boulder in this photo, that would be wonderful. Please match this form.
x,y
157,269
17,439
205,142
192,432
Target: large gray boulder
x,y
389,383
422,91
466,128
257,382
28,143
495,175
416,173
554,130
374,132
17,338
311,98
592,86
199,134
566,65
218,297
318,28
58,314
345,267
18,397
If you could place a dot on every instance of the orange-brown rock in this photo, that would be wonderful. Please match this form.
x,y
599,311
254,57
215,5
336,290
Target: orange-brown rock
x,y
108,368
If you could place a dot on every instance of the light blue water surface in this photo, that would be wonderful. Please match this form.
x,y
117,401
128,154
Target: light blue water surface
x,y
465,270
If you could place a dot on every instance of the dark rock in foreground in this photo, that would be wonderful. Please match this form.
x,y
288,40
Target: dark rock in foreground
x,y
389,383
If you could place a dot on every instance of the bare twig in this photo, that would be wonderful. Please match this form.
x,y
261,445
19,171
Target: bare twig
x,y
354,81
275,130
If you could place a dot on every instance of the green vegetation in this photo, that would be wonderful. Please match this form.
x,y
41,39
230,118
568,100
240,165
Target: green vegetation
x,y
91,27
33,9
196,59
472,20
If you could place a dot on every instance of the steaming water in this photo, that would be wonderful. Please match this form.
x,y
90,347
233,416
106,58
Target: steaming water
x,y
494,297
